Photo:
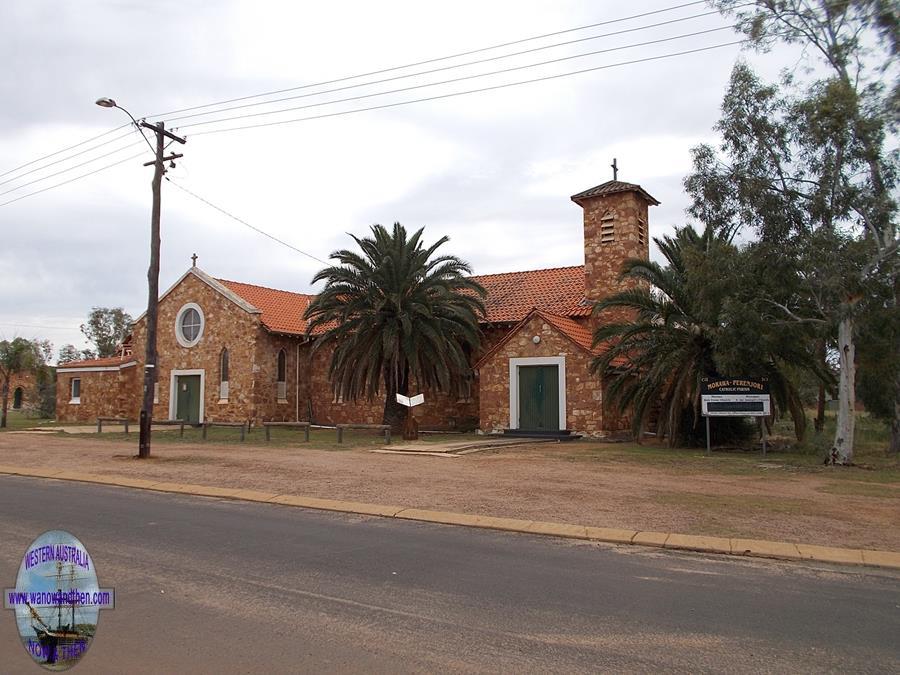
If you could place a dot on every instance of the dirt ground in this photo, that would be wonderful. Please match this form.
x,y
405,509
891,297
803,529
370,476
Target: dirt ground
x,y
587,484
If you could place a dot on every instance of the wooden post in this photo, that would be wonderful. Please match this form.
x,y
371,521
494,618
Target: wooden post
x,y
268,432
152,297
340,434
99,425
204,430
306,434
708,448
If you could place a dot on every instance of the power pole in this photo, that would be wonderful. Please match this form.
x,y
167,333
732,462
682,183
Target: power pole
x,y
153,282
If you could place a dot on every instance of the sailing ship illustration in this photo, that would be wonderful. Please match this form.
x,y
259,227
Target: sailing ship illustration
x,y
66,641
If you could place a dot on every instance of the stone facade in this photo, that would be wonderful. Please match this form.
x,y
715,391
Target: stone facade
x,y
104,393
584,395
225,326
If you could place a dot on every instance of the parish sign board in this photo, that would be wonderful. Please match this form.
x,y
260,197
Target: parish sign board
x,y
735,397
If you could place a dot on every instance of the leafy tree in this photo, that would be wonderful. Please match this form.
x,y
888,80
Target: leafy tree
x,y
394,314
690,320
68,353
804,166
106,328
17,356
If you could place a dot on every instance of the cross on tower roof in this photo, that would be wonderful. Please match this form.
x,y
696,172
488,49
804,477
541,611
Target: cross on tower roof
x,y
194,260
615,168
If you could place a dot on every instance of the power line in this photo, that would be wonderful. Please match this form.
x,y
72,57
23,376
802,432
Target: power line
x,y
352,77
460,65
458,79
66,182
388,92
53,154
392,105
71,168
469,91
31,325
432,60
65,159
245,223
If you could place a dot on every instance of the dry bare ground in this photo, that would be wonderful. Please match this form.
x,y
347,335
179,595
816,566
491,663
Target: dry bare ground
x,y
587,484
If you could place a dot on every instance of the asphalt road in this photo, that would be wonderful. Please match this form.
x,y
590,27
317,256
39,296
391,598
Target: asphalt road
x,y
206,585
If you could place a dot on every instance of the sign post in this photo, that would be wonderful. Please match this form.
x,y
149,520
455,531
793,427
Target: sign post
x,y
410,429
735,397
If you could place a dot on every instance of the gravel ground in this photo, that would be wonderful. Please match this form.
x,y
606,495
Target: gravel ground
x,y
556,482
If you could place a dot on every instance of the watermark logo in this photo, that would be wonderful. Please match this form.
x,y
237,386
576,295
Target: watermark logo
x,y
57,600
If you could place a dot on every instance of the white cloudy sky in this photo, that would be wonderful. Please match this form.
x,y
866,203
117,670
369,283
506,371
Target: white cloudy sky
x,y
492,170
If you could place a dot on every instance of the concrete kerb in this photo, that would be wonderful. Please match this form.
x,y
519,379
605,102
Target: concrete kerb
x,y
736,546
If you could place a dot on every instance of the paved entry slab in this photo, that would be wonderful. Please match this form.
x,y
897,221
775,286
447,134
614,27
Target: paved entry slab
x,y
461,448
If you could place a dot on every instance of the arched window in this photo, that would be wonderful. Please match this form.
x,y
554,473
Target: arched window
x,y
17,398
223,375
281,384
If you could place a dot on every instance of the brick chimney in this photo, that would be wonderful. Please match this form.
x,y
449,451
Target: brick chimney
x,y
615,229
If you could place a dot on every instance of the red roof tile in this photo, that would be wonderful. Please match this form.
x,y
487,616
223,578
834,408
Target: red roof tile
x,y
576,332
511,296
612,187
282,311
105,362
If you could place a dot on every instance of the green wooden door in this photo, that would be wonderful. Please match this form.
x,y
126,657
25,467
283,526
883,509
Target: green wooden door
x,y
539,397
187,398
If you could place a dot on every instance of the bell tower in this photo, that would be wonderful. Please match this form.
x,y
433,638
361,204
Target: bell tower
x,y
616,228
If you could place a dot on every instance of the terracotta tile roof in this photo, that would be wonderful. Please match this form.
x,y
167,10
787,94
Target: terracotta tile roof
x,y
512,296
576,332
105,362
282,311
611,187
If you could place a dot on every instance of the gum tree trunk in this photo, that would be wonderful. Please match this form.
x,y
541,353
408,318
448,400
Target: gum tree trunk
x,y
5,402
894,446
842,448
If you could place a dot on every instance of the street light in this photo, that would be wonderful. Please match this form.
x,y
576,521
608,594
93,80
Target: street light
x,y
153,273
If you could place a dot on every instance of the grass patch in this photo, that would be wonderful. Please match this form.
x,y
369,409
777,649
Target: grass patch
x,y
16,420
855,489
737,504
319,439
872,465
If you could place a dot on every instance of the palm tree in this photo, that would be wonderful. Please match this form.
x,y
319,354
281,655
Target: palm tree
x,y
683,325
16,356
396,314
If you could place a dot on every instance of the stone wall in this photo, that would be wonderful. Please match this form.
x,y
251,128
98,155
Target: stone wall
x,y
103,394
25,381
441,410
268,407
584,398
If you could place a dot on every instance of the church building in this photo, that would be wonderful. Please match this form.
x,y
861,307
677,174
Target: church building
x,y
233,351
